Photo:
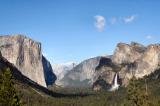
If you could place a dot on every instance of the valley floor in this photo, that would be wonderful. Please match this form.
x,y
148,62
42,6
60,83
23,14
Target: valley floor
x,y
83,97
88,97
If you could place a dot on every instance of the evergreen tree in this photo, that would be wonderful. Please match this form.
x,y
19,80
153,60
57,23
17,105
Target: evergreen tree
x,y
137,95
8,95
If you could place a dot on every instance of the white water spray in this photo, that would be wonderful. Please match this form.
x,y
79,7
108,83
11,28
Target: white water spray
x,y
115,85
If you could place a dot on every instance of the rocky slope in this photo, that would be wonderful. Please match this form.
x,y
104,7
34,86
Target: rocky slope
x,y
26,55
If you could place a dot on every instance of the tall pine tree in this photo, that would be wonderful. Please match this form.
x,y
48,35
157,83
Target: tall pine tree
x,y
8,95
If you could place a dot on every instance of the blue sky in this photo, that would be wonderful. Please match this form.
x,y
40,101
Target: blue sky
x,y
74,30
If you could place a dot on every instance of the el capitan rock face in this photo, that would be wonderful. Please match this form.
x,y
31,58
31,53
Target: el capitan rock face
x,y
25,54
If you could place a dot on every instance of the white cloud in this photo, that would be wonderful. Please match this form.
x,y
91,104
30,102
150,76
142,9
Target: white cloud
x,y
113,20
100,22
149,37
129,19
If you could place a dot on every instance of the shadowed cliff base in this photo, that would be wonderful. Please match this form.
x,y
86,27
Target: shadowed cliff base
x,y
50,77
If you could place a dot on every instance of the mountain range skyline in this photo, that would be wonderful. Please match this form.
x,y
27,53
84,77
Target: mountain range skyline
x,y
70,31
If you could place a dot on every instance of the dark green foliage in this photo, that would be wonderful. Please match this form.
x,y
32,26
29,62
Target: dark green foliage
x,y
146,97
8,94
33,97
137,95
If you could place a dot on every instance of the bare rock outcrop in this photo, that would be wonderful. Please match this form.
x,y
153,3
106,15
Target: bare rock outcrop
x,y
139,60
126,53
130,60
106,70
105,74
26,55
149,61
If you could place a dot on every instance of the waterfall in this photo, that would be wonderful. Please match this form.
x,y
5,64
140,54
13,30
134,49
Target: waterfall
x,y
115,85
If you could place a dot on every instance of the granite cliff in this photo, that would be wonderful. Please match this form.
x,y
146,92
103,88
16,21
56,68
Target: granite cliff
x,y
26,55
131,60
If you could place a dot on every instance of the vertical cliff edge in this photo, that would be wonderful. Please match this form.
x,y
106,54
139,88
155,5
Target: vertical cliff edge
x,y
26,55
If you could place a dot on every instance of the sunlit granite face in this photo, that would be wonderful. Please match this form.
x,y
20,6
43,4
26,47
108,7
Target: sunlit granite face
x,y
140,60
25,54
131,59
